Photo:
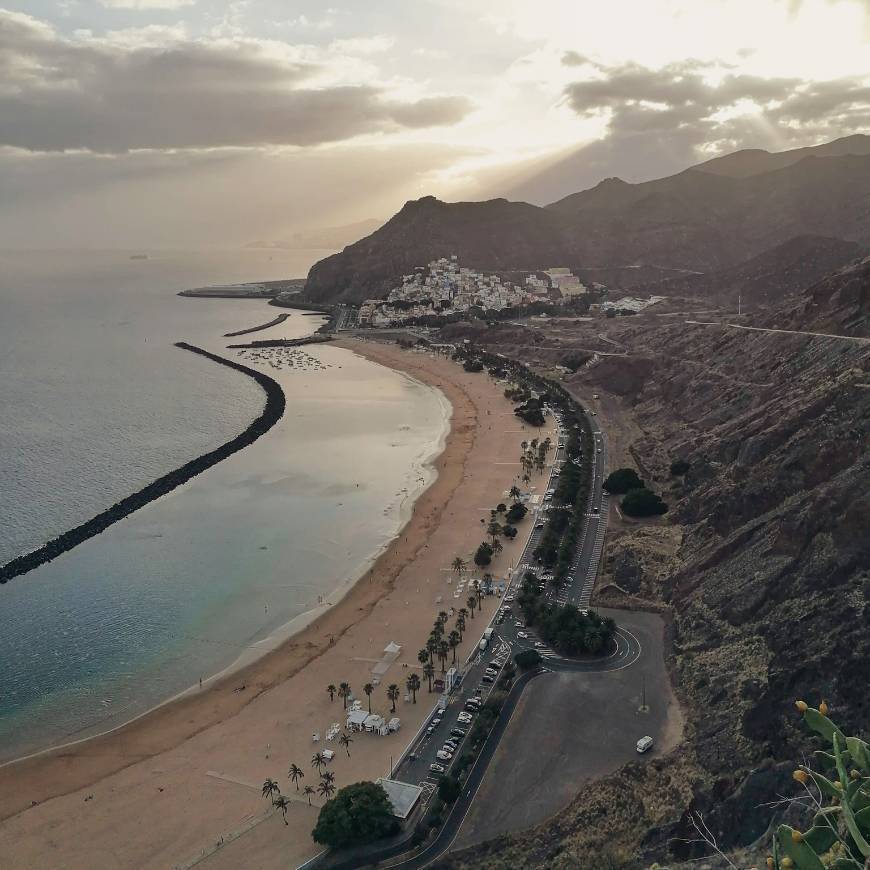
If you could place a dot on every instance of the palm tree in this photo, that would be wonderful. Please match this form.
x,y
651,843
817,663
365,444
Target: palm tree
x,y
460,623
533,444
524,445
423,656
296,773
308,791
454,640
393,694
327,789
494,530
345,740
344,692
318,760
437,631
332,690
497,545
478,591
368,688
458,565
471,601
328,776
429,672
443,652
270,787
442,617
413,684
281,803
431,646
515,494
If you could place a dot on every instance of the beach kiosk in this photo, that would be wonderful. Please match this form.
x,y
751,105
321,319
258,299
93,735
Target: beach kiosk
x,y
356,720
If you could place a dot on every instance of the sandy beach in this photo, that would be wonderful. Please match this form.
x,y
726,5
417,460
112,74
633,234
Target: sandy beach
x,y
181,785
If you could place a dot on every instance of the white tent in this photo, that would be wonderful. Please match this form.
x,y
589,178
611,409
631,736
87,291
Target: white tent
x,y
392,647
376,724
356,719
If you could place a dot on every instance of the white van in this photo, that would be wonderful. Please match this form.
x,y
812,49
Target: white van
x,y
644,744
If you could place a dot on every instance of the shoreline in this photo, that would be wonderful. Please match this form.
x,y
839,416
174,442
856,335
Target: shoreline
x,y
273,410
54,772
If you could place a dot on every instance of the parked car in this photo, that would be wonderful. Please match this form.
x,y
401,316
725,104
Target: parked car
x,y
430,730
459,732
644,744
539,525
539,645
436,768
464,717
522,634
486,678
444,756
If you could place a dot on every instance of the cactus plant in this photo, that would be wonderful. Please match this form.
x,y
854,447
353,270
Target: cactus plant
x,y
839,836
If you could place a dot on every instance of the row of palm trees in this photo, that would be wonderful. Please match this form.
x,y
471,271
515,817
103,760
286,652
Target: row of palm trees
x,y
345,692
534,456
326,788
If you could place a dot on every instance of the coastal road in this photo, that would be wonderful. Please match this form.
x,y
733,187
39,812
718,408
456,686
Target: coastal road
x,y
414,768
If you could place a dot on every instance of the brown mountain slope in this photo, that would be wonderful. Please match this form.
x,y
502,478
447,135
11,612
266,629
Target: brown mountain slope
x,y
839,303
695,220
496,234
768,278
769,587
754,161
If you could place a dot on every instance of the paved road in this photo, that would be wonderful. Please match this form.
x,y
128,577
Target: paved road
x,y
856,338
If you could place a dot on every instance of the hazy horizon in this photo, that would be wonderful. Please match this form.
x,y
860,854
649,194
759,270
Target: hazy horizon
x,y
176,124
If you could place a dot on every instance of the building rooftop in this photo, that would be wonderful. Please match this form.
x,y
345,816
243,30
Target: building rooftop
x,y
403,796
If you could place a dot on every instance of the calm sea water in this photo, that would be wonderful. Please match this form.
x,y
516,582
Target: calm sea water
x,y
96,402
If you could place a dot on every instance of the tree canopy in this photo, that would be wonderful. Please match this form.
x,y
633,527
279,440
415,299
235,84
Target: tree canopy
x,y
483,555
516,512
527,659
622,480
643,503
358,814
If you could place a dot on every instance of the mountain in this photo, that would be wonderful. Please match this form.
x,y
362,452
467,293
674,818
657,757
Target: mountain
x,y
839,303
761,562
754,161
695,220
495,234
769,277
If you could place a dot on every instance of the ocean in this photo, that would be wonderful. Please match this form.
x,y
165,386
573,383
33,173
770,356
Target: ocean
x,y
97,402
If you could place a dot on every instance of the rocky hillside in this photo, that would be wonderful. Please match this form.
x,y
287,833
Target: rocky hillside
x,y
837,303
496,234
768,278
764,563
698,220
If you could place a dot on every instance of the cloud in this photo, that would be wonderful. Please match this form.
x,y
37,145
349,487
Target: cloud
x,y
146,4
130,91
701,105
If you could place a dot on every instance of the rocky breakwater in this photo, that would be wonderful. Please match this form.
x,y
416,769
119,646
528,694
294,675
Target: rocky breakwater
x,y
272,412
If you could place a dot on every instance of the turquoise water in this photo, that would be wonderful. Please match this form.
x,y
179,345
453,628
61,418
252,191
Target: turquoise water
x,y
215,569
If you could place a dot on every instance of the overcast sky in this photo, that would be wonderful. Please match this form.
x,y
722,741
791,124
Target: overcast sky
x,y
176,123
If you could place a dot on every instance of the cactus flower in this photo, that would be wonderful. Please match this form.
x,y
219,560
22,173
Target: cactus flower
x,y
797,837
823,708
787,862
800,776
801,705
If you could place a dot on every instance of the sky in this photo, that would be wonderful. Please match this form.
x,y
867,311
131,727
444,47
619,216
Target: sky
x,y
205,123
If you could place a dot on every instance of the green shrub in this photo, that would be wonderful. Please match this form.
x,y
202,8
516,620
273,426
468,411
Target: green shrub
x,y
527,659
679,467
358,814
449,789
622,480
643,503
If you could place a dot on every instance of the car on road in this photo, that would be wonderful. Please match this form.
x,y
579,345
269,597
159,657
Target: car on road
x,y
509,597
539,645
598,450
522,634
436,768
430,730
443,755
539,525
644,744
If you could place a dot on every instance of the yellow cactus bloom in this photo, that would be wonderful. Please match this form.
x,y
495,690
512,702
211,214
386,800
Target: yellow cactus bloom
x,y
801,776
823,708
797,837
787,862
801,705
